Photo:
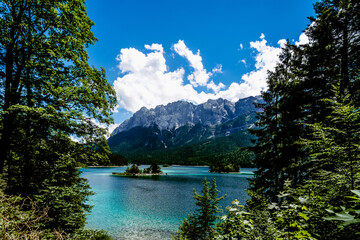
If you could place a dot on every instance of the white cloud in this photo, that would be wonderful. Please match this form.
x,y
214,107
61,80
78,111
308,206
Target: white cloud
x,y
111,128
200,76
243,61
74,139
303,39
214,87
217,69
146,80
255,81
155,46
282,43
241,46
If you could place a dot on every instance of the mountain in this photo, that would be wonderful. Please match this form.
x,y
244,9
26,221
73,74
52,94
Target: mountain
x,y
180,113
166,131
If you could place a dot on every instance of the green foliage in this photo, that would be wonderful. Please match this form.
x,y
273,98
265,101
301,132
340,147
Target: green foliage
x,y
334,146
201,224
90,234
16,223
117,160
222,149
154,168
350,215
292,216
235,224
134,169
278,155
326,68
23,218
50,95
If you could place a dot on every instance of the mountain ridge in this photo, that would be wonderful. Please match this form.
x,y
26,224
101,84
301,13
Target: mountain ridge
x,y
181,113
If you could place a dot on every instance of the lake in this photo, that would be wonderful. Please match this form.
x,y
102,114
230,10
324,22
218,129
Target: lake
x,y
152,207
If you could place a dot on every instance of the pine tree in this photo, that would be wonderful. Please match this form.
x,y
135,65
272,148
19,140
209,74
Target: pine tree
x,y
279,156
201,224
325,68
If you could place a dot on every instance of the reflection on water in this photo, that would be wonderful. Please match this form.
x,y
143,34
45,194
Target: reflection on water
x,y
152,207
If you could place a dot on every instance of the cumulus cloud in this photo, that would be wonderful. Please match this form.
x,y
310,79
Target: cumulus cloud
x,y
200,76
255,81
303,39
146,80
215,87
241,46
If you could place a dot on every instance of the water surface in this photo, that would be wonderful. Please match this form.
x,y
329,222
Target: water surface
x,y
152,207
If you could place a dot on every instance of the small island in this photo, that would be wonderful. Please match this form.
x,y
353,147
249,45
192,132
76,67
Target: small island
x,y
134,170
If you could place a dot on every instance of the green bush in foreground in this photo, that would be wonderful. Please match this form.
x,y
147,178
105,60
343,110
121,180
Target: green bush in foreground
x,y
23,218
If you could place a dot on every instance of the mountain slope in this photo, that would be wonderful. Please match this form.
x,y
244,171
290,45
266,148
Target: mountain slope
x,y
171,131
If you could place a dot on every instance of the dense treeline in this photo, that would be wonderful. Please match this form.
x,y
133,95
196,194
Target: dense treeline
x,y
50,100
308,134
116,160
220,150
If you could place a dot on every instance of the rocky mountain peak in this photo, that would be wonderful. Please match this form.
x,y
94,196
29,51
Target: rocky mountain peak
x,y
181,113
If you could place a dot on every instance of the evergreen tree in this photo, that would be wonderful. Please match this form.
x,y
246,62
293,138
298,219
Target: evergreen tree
x,y
49,93
334,149
279,156
325,68
201,224
308,129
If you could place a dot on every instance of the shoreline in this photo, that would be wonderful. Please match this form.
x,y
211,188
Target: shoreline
x,y
163,174
138,174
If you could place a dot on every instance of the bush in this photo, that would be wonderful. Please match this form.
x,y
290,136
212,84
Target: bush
x,y
17,223
23,218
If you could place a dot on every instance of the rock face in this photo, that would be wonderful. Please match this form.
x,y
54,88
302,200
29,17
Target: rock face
x,y
178,114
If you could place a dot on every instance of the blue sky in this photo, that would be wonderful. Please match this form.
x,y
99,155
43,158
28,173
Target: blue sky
x,y
160,51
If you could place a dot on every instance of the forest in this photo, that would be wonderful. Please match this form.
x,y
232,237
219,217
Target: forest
x,y
53,105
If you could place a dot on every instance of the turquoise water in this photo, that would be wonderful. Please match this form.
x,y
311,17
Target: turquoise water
x,y
152,207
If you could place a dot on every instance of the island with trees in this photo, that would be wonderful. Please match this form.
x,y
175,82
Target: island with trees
x,y
135,171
